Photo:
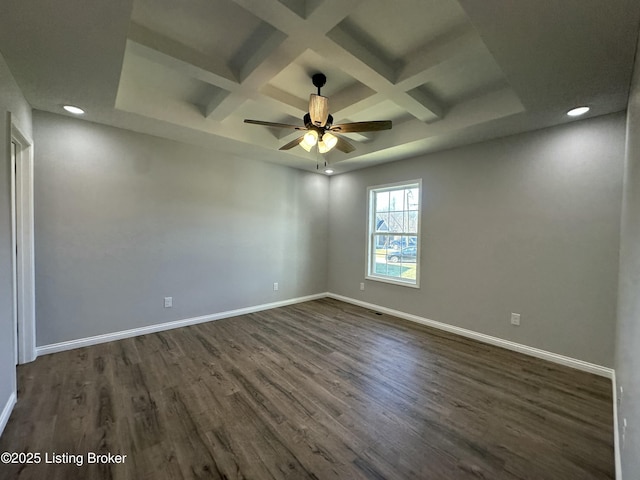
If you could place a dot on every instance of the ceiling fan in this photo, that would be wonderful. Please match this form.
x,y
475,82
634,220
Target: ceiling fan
x,y
319,125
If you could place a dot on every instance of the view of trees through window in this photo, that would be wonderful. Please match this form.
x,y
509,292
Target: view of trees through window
x,y
394,233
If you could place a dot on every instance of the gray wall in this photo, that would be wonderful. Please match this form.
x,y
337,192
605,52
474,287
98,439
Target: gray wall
x,y
526,224
11,100
124,219
628,341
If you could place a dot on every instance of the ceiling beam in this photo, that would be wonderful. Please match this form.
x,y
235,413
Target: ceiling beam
x,y
418,67
300,35
172,54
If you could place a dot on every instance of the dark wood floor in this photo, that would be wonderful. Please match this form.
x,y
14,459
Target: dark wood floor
x,y
318,390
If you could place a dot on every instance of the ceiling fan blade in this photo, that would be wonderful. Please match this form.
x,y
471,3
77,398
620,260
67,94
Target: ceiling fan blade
x,y
373,126
292,144
344,146
318,109
273,124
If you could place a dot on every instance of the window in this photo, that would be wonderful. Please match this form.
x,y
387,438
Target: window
x,y
393,253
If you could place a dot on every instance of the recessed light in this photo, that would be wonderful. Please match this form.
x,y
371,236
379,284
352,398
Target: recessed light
x,y
74,110
328,170
576,112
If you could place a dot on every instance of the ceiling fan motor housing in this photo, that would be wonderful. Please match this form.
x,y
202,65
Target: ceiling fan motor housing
x,y
319,128
318,109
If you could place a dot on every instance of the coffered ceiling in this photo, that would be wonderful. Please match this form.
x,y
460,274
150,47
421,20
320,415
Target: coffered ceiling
x,y
446,72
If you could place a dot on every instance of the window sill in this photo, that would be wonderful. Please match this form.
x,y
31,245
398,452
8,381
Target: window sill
x,y
393,281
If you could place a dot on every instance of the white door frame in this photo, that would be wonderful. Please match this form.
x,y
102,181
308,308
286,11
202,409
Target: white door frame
x,y
22,208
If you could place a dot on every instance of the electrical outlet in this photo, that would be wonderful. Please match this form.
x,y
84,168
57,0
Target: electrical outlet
x,y
515,319
168,302
275,286
362,286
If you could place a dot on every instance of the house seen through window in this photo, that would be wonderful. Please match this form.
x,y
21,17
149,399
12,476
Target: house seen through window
x,y
394,233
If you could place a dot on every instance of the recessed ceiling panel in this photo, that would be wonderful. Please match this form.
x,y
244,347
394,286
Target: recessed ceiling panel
x,y
296,78
302,8
212,27
260,111
386,110
462,76
397,28
139,73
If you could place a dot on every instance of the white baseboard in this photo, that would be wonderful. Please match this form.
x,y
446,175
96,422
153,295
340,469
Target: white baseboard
x,y
616,432
6,411
134,332
481,337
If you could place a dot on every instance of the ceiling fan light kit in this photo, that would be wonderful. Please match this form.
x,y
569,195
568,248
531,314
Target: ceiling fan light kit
x,y
318,123
306,146
310,139
327,142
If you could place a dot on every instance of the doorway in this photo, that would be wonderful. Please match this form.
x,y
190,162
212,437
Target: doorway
x,y
14,247
22,245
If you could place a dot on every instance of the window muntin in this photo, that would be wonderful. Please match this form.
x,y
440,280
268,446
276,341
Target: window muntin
x,y
394,233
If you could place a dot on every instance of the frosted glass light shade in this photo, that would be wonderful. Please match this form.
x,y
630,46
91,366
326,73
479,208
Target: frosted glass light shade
x,y
327,143
309,140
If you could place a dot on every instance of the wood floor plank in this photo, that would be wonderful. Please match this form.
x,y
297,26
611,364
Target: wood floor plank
x,y
319,390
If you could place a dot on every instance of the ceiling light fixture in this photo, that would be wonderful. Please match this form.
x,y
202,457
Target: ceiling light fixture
x,y
327,142
318,123
309,140
73,109
328,170
576,112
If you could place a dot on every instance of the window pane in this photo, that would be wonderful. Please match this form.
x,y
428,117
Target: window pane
x,y
380,264
382,202
382,222
413,199
412,222
408,271
396,222
396,200
380,244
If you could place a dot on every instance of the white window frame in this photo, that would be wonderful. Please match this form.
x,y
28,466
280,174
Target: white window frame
x,y
371,224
